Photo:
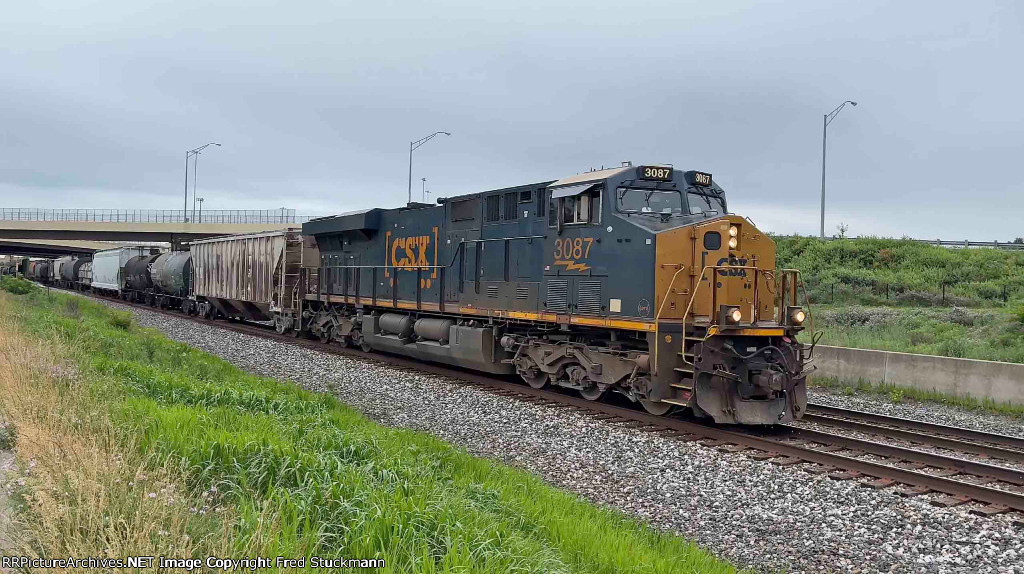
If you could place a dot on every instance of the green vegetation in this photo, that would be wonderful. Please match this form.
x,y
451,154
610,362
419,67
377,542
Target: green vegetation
x,y
873,271
17,285
897,394
988,334
887,294
259,467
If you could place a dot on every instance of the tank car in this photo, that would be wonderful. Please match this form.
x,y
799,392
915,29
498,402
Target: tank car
x,y
172,279
634,280
138,278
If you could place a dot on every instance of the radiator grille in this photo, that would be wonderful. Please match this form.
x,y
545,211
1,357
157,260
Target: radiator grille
x,y
492,291
558,295
522,292
589,298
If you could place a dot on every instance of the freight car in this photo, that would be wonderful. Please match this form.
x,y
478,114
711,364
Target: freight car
x,y
633,280
108,273
252,276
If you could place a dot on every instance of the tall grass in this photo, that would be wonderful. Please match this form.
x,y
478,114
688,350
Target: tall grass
x,y
299,474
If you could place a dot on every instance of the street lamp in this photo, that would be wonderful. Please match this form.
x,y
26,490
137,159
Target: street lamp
x,y
423,191
200,200
413,146
824,130
188,154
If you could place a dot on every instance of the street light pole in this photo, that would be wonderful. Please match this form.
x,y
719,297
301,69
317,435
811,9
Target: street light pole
x,y
413,146
193,152
184,209
824,131
200,200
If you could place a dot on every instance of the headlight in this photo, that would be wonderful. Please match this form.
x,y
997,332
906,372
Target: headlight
x,y
733,242
734,231
729,315
797,316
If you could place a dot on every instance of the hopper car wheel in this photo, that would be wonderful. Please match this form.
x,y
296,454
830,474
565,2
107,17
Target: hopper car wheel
x,y
327,335
656,408
535,378
279,326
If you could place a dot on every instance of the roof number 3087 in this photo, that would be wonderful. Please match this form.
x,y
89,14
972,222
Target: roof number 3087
x,y
657,172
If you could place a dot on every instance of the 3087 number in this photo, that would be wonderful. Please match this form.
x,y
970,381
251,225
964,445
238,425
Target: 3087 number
x,y
655,172
569,248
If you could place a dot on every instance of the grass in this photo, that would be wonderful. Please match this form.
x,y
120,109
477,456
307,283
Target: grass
x,y
900,272
897,394
163,449
986,334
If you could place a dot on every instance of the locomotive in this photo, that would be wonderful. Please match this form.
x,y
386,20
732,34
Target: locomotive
x,y
634,280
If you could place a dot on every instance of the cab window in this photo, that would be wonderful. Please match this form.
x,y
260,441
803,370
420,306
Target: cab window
x,y
576,209
700,203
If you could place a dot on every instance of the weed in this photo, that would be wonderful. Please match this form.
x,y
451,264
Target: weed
x,y
120,320
896,395
8,436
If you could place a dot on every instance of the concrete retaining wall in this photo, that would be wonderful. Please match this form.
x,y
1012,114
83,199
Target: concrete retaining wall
x,y
1002,382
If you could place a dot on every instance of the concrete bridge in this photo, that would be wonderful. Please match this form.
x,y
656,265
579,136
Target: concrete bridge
x,y
51,247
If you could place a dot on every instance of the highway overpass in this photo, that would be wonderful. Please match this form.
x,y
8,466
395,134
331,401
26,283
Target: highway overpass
x,y
51,247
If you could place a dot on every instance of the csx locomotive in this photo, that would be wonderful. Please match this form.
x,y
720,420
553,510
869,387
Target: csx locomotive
x,y
634,280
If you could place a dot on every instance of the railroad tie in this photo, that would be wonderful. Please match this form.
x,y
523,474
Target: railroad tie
x,y
844,475
879,484
948,501
990,510
912,491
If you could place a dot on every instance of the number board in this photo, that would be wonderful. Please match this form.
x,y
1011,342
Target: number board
x,y
699,178
654,173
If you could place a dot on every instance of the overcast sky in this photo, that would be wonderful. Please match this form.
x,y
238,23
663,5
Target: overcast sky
x,y
315,103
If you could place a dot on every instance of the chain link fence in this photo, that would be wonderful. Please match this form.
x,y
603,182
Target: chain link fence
x,y
881,293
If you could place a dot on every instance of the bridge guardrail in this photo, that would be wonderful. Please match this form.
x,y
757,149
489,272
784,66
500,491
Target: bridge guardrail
x,y
282,215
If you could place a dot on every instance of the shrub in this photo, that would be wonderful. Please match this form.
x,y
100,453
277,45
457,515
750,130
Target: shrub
x,y
17,285
121,320
953,348
8,436
1018,313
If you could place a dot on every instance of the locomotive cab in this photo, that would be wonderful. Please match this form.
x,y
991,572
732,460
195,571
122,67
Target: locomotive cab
x,y
723,320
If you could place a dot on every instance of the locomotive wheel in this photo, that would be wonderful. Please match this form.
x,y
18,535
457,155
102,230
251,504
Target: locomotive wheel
x,y
535,378
588,389
326,335
592,393
656,408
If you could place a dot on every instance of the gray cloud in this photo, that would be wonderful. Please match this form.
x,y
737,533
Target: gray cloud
x,y
316,103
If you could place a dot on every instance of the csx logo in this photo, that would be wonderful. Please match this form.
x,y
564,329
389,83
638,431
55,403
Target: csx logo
x,y
410,251
732,272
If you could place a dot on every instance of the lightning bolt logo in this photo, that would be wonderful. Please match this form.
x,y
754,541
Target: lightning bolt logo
x,y
572,265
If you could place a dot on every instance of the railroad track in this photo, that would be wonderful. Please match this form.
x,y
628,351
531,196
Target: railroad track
x,y
911,472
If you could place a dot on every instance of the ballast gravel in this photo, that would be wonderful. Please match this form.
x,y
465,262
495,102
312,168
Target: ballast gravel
x,y
759,516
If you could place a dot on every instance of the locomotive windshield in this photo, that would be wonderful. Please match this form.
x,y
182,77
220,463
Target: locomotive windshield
x,y
700,203
633,200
